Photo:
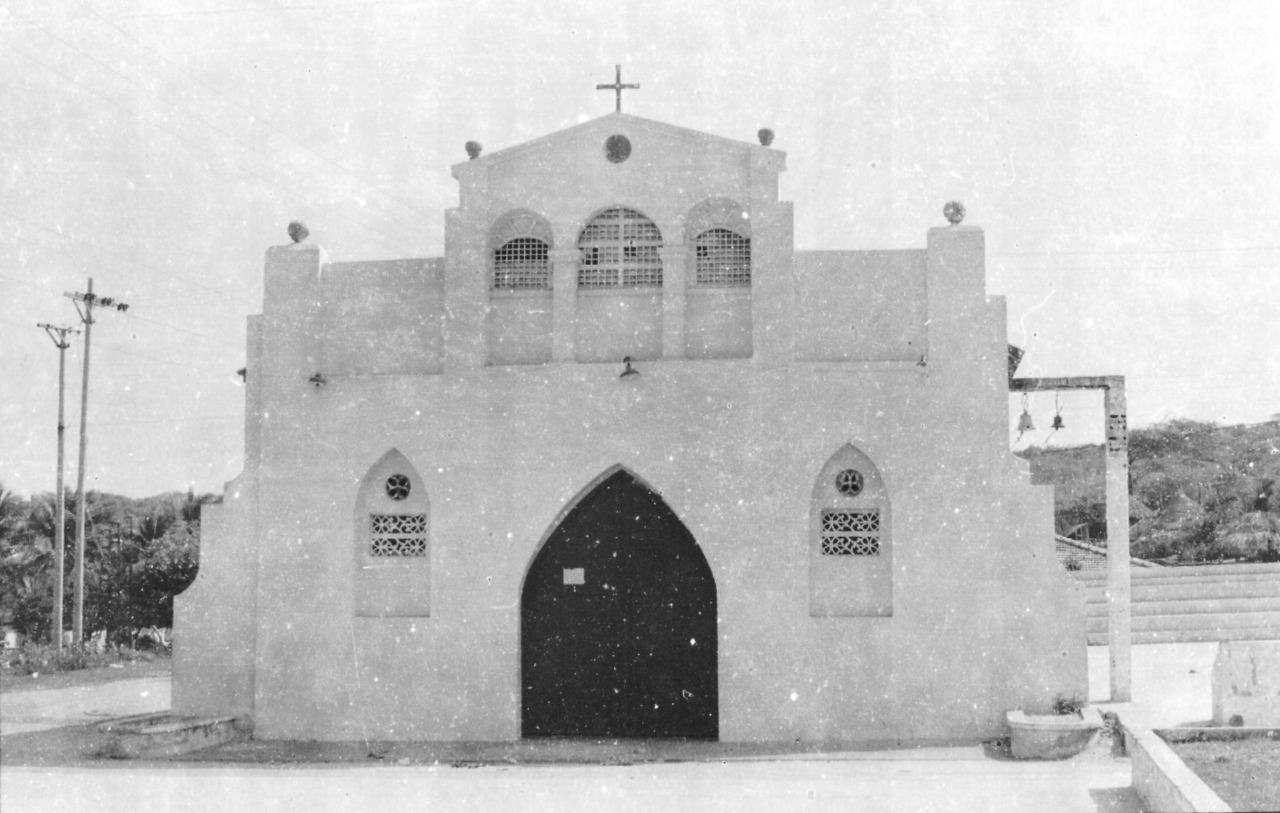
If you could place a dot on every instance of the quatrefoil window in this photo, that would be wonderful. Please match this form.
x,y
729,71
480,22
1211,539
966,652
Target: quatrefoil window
x,y
398,487
849,482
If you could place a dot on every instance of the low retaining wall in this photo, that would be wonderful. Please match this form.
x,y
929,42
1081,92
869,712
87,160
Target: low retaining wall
x,y
1164,781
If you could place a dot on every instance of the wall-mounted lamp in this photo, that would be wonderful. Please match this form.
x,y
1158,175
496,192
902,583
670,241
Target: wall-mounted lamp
x,y
627,368
923,362
243,372
318,379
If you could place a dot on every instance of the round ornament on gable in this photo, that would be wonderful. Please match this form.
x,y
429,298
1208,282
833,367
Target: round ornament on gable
x,y
849,482
398,487
617,148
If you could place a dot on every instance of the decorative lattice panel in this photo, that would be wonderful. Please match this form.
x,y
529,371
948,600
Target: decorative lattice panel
x,y
521,264
619,247
724,258
398,535
851,533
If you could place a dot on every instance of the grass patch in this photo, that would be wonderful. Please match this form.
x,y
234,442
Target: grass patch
x,y
1245,772
43,667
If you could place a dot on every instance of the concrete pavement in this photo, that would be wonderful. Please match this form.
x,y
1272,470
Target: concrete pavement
x,y
1172,683
43,709
952,779
1171,680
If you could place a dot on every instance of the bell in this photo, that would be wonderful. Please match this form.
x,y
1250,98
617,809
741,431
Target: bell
x,y
1057,423
1024,422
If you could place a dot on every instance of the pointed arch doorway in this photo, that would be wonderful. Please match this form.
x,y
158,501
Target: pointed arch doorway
x,y
618,623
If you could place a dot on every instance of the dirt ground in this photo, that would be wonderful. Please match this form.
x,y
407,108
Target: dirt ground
x,y
1245,773
14,680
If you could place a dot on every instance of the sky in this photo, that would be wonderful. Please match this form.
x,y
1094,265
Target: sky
x,y
1122,158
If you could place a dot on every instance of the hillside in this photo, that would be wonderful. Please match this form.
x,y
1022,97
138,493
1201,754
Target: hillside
x,y
1198,491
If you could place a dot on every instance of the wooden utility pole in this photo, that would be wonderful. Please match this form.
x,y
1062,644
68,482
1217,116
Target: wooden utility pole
x,y
60,531
85,304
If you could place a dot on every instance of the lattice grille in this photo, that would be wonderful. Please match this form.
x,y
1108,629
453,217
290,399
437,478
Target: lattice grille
x,y
724,258
398,534
399,547
851,533
620,248
521,264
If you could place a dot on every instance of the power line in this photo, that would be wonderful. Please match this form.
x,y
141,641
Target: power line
x,y
265,9
189,419
180,137
138,263
144,356
145,298
254,117
1135,251
197,334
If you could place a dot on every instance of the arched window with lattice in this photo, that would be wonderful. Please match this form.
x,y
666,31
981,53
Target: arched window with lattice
x,y
850,544
619,248
719,229
723,258
392,541
519,249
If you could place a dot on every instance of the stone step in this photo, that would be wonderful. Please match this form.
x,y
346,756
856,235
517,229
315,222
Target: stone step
x,y
1195,621
1256,569
1151,576
1098,609
1193,636
1191,590
167,734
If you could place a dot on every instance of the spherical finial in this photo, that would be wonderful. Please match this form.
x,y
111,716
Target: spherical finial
x,y
953,212
474,149
765,135
298,231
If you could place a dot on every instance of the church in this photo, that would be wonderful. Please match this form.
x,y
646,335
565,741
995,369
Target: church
x,y
625,463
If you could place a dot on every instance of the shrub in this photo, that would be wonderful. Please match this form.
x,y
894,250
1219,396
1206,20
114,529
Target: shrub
x,y
32,658
1067,705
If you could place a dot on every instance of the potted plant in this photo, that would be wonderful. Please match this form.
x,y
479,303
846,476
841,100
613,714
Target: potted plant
x,y
1067,731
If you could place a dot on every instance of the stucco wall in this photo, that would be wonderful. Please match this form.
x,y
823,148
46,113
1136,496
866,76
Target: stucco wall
x,y
861,305
501,455
899,354
383,317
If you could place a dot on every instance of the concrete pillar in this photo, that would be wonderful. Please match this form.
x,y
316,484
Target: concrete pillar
x,y
955,289
1119,635
675,270
773,285
293,330
466,290
564,303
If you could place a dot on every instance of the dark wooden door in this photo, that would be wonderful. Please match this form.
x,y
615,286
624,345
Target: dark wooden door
x,y
618,623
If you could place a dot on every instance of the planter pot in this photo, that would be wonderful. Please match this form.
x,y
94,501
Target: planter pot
x,y
1052,736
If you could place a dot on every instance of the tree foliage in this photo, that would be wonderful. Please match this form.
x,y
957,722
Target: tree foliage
x,y
139,554
1199,492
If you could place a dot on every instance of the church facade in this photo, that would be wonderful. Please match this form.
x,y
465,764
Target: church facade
x,y
624,463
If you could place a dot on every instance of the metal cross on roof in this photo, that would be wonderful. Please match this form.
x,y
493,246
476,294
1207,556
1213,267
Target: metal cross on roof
x,y
617,87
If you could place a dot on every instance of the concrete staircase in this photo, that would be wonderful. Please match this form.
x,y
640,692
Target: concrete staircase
x,y
1205,603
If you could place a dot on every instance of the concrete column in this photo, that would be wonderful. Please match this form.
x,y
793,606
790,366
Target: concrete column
x,y
773,288
293,330
466,290
955,290
1119,636
564,303
675,269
